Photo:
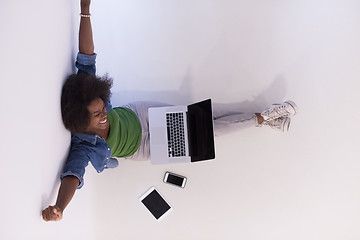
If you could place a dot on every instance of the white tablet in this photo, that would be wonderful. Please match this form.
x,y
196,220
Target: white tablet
x,y
155,203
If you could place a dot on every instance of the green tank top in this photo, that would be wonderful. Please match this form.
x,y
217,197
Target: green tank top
x,y
125,132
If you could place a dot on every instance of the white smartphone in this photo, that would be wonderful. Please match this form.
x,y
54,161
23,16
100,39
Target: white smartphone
x,y
175,179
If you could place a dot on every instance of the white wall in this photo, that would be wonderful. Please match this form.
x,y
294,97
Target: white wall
x,y
38,40
263,184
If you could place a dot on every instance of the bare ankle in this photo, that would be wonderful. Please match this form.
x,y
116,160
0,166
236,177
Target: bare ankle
x,y
260,119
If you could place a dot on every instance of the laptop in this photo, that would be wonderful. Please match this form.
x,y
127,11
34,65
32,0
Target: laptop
x,y
181,134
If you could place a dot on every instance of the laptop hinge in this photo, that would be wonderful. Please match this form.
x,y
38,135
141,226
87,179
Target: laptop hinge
x,y
189,133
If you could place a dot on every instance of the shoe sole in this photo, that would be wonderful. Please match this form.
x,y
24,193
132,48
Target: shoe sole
x,y
293,105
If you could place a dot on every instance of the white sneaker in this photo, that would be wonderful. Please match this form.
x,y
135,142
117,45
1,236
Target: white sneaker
x,y
286,109
282,124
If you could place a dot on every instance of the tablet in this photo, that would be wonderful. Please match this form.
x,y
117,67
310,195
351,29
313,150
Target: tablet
x,y
155,203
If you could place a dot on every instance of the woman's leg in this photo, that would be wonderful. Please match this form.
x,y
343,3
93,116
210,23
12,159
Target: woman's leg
x,y
276,117
226,122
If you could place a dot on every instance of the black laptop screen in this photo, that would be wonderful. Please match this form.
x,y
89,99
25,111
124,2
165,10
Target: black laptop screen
x,y
201,131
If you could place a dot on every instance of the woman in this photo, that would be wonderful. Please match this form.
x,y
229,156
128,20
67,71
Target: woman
x,y
87,114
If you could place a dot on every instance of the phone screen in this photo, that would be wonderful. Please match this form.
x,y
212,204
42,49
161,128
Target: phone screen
x,y
175,180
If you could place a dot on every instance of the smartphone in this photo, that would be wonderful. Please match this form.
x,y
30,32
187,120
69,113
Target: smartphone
x,y
175,179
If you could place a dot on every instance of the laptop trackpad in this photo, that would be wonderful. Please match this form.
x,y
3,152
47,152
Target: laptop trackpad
x,y
158,136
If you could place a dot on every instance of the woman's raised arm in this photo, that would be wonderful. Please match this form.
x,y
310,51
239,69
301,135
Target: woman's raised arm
x,y
86,43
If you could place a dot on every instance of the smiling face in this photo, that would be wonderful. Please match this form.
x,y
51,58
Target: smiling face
x,y
98,117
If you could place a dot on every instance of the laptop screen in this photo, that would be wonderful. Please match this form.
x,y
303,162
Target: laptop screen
x,y
201,131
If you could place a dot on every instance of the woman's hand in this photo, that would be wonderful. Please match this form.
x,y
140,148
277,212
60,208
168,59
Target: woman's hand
x,y
52,213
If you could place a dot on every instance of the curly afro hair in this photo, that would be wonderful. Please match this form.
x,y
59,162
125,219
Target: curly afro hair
x,y
77,93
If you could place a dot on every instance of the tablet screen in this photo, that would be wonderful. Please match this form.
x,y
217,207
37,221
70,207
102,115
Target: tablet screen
x,y
157,205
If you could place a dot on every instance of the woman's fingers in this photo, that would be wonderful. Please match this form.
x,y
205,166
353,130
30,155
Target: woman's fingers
x,y
52,213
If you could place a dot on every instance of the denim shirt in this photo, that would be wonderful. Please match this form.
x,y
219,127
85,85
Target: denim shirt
x,y
86,147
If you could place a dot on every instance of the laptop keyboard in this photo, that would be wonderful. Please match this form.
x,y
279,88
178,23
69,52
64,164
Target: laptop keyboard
x,y
176,134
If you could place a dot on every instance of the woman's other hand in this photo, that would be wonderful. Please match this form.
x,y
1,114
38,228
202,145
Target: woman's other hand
x,y
52,213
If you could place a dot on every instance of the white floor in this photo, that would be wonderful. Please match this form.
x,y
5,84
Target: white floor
x,y
304,184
